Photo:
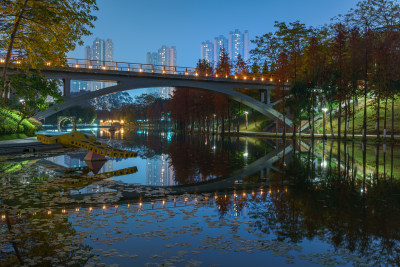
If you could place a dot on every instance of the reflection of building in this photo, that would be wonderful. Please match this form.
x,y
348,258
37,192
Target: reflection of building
x,y
159,171
165,56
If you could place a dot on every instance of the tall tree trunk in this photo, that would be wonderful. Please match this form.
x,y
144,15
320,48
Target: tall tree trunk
x,y
354,100
10,48
392,134
384,123
340,118
330,119
378,115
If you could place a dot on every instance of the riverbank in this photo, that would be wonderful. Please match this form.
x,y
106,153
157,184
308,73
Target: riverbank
x,y
25,145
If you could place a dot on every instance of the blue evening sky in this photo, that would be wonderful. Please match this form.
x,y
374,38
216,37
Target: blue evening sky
x,y
137,27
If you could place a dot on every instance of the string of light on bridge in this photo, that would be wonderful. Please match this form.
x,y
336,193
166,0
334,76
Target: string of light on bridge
x,y
145,68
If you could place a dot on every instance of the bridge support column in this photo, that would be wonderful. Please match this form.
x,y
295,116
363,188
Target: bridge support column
x,y
262,96
67,87
268,100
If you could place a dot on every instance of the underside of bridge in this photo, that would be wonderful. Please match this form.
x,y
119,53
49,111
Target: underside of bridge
x,y
125,83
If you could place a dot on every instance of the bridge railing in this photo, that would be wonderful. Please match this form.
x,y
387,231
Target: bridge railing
x,y
144,68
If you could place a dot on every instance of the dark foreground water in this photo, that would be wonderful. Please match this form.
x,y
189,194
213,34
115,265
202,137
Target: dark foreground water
x,y
203,201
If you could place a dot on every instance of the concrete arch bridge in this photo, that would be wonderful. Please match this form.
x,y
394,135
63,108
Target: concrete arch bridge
x,y
130,76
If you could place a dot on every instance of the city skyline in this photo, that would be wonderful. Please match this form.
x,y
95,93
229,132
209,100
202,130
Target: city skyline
x,y
236,44
187,26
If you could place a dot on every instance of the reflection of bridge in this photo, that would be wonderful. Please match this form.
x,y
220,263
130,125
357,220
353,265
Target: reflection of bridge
x,y
130,76
261,166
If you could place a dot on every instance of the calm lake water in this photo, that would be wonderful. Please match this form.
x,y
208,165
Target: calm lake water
x,y
200,200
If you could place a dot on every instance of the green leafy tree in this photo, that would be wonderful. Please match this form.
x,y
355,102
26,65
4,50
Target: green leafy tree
x,y
33,91
42,30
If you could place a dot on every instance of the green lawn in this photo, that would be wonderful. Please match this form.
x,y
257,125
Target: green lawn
x,y
371,120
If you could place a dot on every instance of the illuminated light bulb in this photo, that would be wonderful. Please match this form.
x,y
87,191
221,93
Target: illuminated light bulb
x,y
77,209
3,216
129,205
63,211
76,66
90,208
270,79
90,66
216,75
244,194
254,78
140,70
206,74
104,207
262,79
245,78
186,199
49,212
226,76
186,73
163,72
196,74
129,69
140,204
216,197
104,68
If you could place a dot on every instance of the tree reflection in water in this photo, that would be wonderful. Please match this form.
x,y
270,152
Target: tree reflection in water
x,y
358,212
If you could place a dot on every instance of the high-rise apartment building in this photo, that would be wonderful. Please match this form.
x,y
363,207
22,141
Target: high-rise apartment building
x,y
207,51
165,56
101,53
220,45
237,43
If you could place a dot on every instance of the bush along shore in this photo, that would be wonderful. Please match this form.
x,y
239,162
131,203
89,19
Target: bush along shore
x,y
9,128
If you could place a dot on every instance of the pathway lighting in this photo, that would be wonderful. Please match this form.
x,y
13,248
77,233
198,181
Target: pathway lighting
x,y
324,122
262,79
247,122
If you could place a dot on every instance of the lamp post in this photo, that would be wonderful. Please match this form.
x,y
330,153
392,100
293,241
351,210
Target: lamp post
x,y
247,122
324,110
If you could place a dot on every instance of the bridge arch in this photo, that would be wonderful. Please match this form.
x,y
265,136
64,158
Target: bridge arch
x,y
61,119
141,83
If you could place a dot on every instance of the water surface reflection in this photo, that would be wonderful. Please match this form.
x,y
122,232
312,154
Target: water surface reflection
x,y
204,200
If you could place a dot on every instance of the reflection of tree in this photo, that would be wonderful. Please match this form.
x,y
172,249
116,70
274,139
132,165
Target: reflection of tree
x,y
50,239
29,234
334,210
198,160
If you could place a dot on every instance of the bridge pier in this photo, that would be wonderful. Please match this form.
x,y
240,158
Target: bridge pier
x,y
265,96
66,87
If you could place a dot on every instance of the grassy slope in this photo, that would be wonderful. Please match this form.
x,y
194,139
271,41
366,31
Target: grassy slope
x,y
8,125
371,120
